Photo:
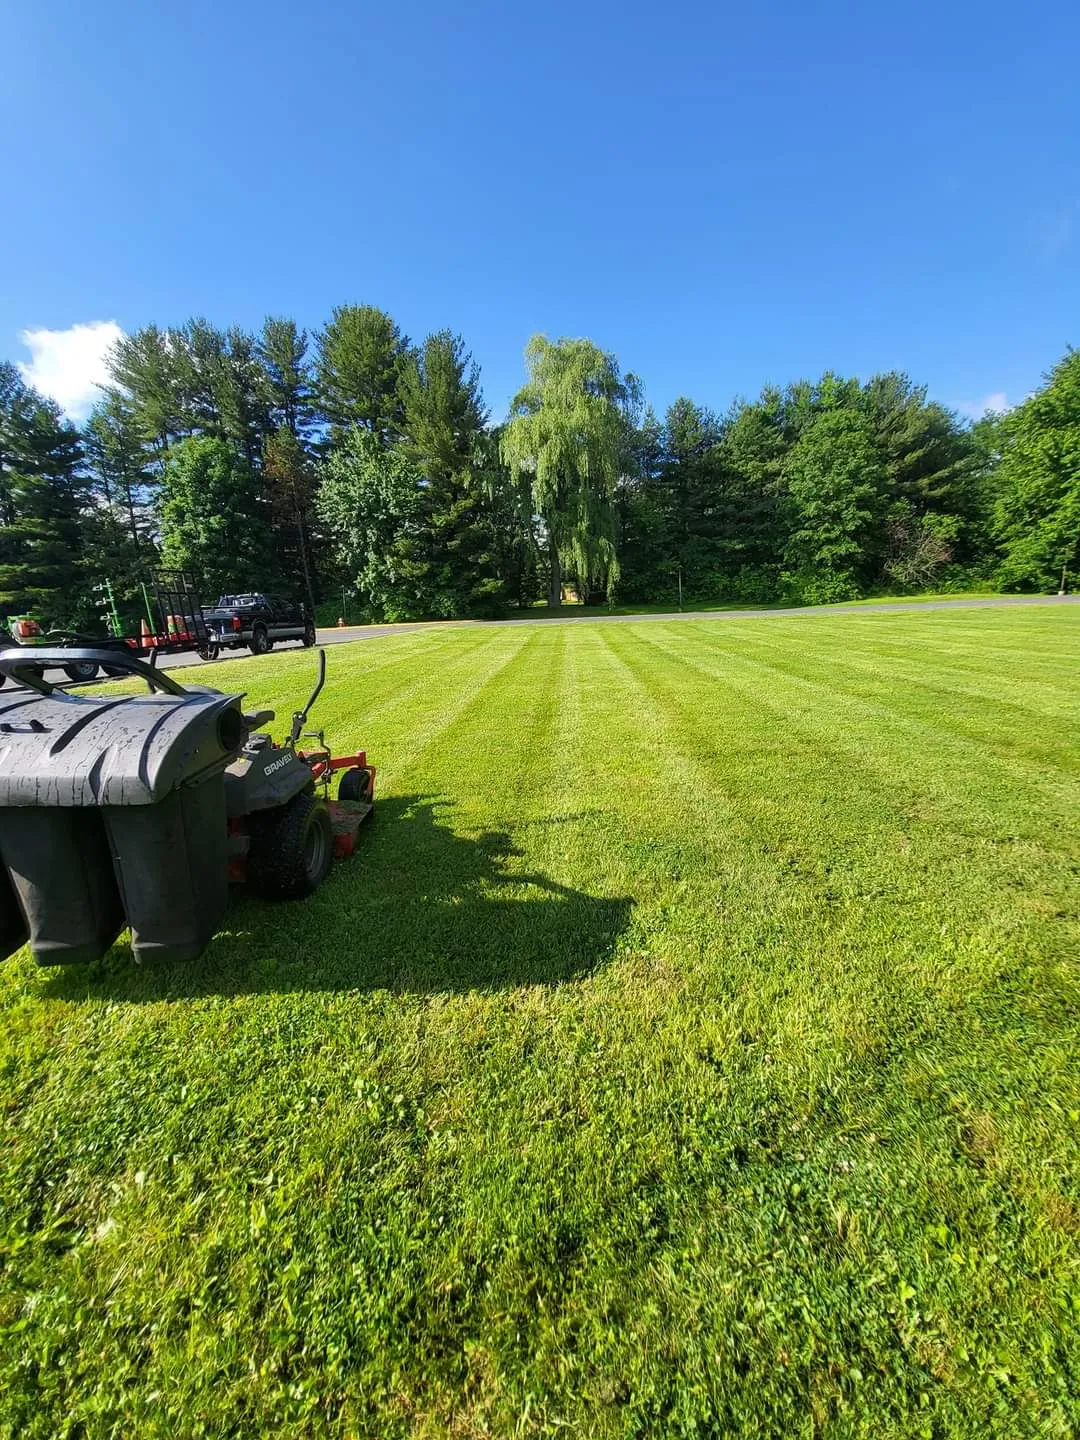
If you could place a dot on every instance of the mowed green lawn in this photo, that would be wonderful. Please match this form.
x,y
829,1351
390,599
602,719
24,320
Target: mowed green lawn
x,y
691,1050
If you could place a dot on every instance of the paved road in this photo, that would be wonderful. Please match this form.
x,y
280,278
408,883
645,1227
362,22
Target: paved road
x,y
371,632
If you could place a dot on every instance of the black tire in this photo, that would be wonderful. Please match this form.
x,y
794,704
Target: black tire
x,y
80,671
208,652
260,641
355,784
309,635
291,849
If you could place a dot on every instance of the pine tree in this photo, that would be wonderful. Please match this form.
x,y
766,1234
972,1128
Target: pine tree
x,y
282,349
360,356
41,494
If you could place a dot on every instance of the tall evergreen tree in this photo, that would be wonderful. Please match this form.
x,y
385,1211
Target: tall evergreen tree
x,y
929,458
442,409
282,349
360,354
120,477
148,368
442,420
41,494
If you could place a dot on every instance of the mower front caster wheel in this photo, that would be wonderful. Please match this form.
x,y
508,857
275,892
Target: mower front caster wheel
x,y
291,849
355,784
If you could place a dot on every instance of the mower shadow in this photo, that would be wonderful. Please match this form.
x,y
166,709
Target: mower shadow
x,y
418,909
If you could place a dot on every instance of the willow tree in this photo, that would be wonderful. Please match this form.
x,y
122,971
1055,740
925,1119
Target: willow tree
x,y
570,432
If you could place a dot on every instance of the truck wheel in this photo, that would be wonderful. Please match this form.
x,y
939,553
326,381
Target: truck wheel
x,y
355,784
260,641
208,652
291,848
80,670
309,635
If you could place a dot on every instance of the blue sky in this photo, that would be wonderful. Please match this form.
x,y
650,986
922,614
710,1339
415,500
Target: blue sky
x,y
722,195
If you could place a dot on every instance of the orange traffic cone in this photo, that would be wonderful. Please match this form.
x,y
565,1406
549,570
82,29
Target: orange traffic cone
x,y
144,631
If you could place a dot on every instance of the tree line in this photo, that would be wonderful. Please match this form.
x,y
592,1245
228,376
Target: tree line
x,y
357,459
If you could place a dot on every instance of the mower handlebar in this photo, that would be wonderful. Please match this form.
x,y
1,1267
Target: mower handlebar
x,y
26,664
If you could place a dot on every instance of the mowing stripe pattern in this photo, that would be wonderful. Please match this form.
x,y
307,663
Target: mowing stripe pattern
x,y
689,1050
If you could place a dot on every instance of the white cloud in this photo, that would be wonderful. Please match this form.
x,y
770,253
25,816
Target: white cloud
x,y
69,364
975,409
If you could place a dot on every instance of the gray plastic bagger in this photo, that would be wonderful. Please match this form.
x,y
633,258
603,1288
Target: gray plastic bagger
x,y
112,812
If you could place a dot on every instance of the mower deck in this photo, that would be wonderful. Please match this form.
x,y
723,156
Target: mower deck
x,y
346,817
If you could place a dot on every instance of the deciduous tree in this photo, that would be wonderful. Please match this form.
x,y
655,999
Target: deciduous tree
x,y
1037,514
215,520
571,432
834,478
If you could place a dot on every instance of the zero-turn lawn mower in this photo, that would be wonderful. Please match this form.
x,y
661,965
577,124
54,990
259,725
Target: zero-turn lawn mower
x,y
141,809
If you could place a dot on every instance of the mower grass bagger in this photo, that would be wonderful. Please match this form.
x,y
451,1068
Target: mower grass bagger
x,y
142,809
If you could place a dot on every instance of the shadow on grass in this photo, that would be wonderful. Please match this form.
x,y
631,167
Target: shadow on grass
x,y
417,909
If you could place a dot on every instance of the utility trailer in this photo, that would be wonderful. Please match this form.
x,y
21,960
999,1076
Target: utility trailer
x,y
173,625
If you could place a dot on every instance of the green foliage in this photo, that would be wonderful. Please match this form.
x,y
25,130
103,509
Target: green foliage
x,y
194,380
215,518
716,501
370,502
121,476
699,1063
442,409
41,499
443,418
361,355
835,481
290,479
414,545
119,525
822,489
571,432
286,379
1037,512
146,369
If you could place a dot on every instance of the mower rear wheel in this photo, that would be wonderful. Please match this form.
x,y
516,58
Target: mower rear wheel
x,y
291,849
355,784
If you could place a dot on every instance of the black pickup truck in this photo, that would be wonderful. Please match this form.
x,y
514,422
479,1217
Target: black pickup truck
x,y
258,621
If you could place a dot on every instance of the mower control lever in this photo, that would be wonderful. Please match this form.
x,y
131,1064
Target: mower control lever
x,y
299,719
